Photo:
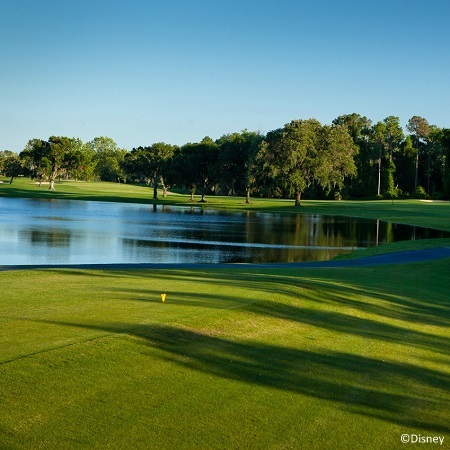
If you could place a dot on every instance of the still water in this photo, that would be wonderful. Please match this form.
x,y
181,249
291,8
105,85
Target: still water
x,y
76,232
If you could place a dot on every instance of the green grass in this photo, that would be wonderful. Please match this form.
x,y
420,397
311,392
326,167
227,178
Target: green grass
x,y
276,359
337,358
98,191
399,246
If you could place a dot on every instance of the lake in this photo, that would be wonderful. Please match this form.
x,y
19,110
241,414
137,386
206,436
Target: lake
x,y
35,231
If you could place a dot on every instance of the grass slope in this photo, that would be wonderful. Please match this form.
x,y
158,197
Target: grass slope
x,y
337,358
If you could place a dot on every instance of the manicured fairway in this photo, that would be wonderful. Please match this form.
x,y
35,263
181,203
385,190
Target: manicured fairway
x,y
312,358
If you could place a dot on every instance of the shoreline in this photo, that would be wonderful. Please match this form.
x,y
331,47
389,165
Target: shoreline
x,y
403,257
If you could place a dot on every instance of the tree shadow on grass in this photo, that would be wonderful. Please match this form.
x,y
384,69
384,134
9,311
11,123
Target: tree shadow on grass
x,y
369,328
362,311
384,390
429,311
213,300
357,326
352,293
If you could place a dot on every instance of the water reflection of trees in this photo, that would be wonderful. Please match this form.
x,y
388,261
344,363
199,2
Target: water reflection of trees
x,y
258,238
52,238
169,234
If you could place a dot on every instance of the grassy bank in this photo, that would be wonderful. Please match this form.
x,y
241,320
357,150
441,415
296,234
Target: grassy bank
x,y
338,358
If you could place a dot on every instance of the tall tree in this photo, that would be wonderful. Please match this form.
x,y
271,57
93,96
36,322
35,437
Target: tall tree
x,y
4,155
359,128
32,157
50,159
84,169
378,135
420,128
446,174
393,139
291,157
251,166
201,158
10,165
387,136
394,134
235,155
433,160
336,155
303,152
181,172
61,157
108,159
149,163
405,166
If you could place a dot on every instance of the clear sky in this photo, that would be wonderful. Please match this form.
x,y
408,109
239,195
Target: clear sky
x,y
144,71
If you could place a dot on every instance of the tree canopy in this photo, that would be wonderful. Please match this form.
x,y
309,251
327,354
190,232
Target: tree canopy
x,y
304,152
350,158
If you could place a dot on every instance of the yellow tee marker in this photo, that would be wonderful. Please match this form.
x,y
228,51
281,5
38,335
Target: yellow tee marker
x,y
163,297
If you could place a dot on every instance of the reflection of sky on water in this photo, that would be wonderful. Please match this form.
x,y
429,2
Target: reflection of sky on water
x,y
75,232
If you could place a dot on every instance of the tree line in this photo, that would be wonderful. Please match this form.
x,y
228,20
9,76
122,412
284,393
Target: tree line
x,y
349,158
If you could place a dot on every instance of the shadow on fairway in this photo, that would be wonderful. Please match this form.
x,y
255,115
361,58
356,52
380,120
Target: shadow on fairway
x,y
348,324
412,308
370,328
305,293
403,393
366,386
381,389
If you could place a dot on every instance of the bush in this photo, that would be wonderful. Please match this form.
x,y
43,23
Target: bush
x,y
420,193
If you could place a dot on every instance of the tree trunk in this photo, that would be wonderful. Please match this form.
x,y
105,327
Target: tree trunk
x,y
417,170
247,196
417,165
52,185
379,176
298,196
155,190
203,200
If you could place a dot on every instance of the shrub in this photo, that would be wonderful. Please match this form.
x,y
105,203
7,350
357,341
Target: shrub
x,y
420,193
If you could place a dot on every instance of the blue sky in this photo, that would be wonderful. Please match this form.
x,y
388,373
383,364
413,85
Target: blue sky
x,y
144,71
